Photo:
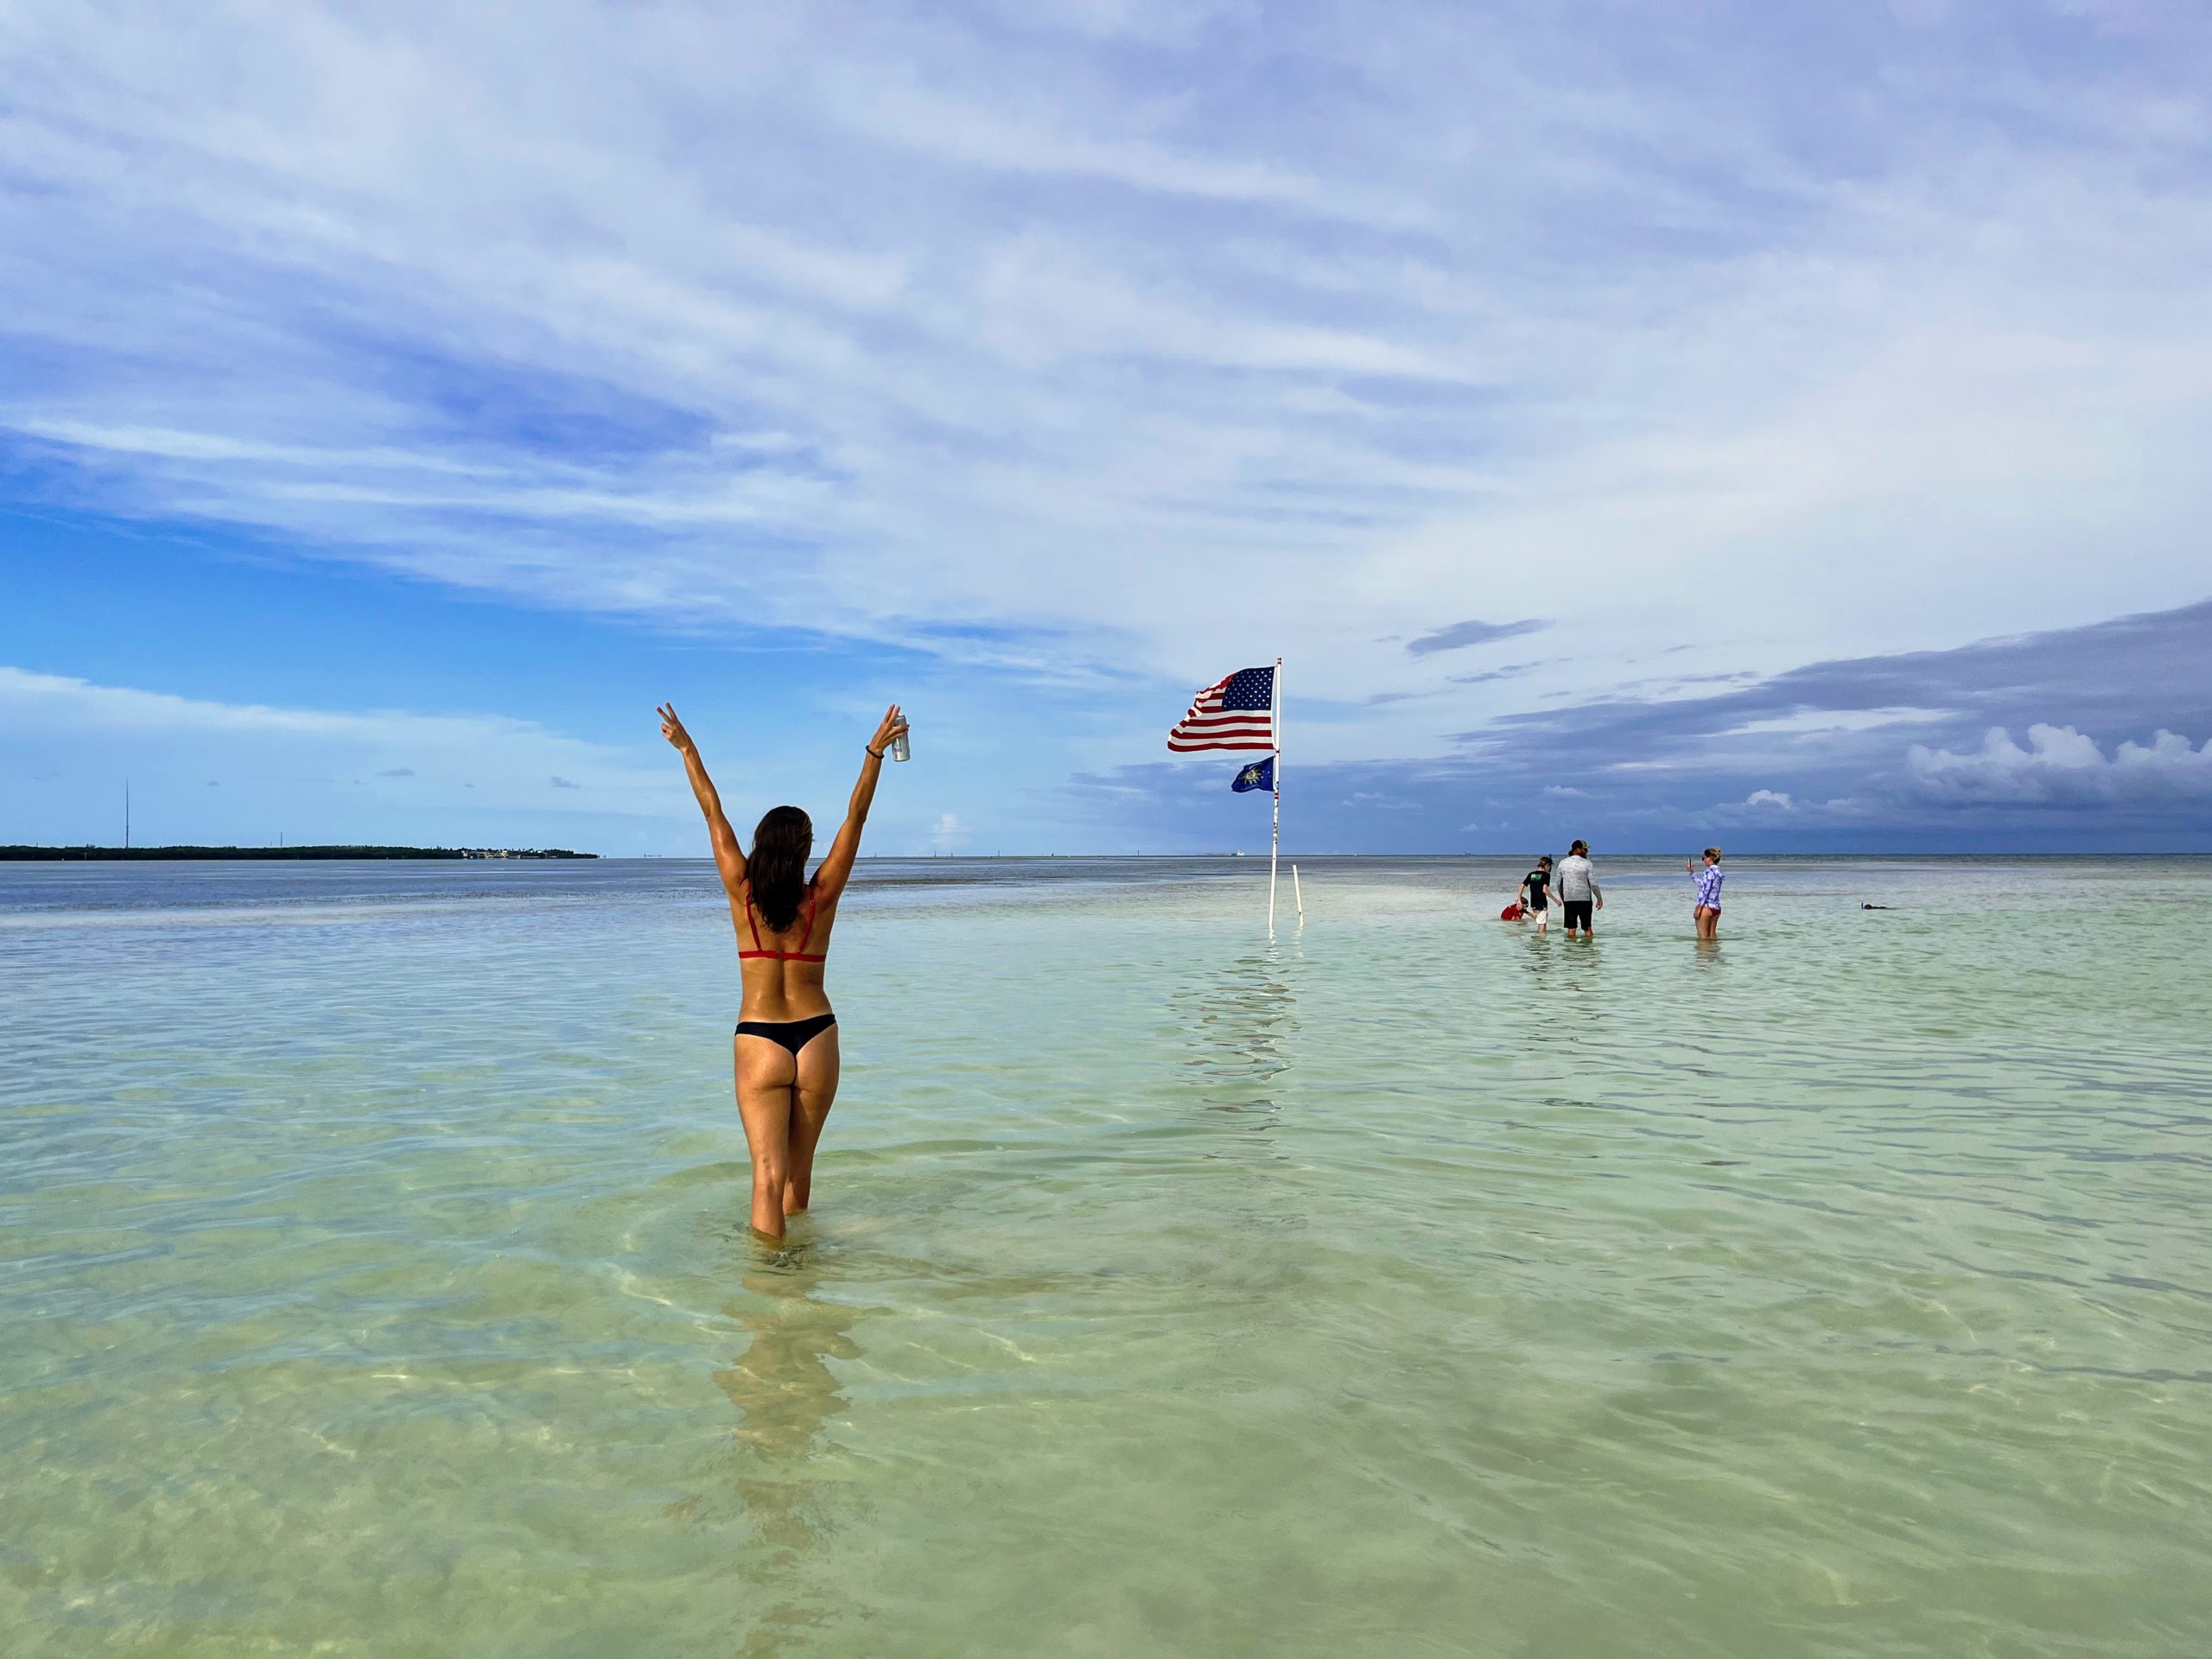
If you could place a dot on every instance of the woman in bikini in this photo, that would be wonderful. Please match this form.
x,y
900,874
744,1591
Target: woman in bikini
x,y
787,1042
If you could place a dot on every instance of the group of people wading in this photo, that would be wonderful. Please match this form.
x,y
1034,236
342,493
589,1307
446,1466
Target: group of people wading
x,y
1580,898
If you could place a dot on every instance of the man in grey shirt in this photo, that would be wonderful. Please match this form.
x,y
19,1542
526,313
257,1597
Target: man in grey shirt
x,y
1579,892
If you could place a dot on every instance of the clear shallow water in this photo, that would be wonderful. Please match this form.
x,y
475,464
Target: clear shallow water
x,y
373,1273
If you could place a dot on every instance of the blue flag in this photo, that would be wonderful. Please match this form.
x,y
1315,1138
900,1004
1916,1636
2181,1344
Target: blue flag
x,y
1260,775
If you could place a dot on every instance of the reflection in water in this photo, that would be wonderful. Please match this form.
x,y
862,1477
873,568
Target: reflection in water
x,y
1240,1021
1240,1018
1568,983
784,1388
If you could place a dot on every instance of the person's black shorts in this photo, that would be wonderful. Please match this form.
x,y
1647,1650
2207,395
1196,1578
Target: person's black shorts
x,y
1578,913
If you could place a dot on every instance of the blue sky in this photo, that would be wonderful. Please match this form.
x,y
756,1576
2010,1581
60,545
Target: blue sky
x,y
1781,425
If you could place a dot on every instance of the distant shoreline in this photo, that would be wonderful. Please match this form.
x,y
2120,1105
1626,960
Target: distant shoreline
x,y
156,854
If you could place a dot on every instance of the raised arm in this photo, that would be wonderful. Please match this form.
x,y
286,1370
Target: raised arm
x,y
837,867
729,857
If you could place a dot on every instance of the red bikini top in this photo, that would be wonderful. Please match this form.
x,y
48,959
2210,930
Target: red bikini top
x,y
802,954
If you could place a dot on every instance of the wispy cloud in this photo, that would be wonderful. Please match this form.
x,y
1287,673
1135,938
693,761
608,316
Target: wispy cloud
x,y
283,764
1795,344
1508,672
1908,750
904,318
1460,635
2130,674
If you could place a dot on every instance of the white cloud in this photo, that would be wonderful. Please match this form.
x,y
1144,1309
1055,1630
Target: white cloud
x,y
30,701
2061,767
1821,722
1772,809
890,323
58,726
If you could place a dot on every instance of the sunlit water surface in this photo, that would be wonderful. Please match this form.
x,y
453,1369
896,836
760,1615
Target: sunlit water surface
x,y
376,1279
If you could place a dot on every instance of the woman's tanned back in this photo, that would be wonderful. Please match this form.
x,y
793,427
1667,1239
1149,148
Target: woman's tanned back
x,y
783,989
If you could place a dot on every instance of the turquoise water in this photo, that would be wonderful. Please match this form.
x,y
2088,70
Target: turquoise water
x,y
376,1282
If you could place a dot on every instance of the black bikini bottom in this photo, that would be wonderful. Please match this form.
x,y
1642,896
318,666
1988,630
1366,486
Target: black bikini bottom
x,y
793,1034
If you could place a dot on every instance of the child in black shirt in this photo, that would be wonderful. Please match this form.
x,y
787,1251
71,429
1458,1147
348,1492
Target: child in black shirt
x,y
1536,893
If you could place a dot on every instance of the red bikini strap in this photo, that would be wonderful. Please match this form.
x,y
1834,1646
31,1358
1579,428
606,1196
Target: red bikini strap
x,y
750,919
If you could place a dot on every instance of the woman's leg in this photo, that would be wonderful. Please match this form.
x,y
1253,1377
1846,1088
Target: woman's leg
x,y
765,1076
813,1095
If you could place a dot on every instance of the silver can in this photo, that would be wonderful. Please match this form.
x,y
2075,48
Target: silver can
x,y
900,749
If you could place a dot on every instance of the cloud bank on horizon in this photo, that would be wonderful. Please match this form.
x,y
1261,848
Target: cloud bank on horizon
x,y
1747,417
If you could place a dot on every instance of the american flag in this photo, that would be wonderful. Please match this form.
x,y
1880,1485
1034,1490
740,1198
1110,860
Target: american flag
x,y
1238,713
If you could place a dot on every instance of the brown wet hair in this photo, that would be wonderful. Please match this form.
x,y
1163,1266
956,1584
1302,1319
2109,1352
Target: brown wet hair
x,y
776,869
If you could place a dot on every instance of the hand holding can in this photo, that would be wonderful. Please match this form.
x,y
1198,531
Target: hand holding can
x,y
891,736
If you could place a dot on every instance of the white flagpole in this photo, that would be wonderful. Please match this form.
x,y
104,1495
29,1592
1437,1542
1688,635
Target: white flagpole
x,y
1274,832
